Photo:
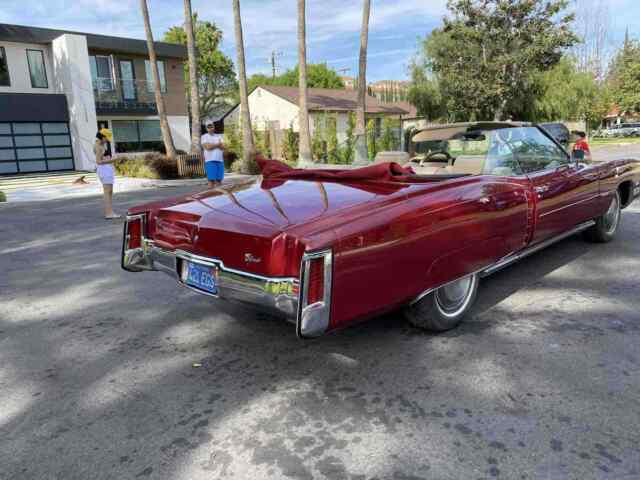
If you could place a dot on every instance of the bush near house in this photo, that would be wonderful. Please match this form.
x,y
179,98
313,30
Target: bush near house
x,y
151,165
3,197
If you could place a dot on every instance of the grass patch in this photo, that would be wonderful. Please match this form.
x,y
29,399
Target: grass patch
x,y
614,141
3,197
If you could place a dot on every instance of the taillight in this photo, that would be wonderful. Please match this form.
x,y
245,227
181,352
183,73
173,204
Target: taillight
x,y
315,290
135,229
315,297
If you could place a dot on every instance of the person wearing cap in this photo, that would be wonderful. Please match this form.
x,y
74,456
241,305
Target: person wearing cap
x,y
213,155
105,170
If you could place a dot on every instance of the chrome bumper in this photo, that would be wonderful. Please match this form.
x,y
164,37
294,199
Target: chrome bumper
x,y
277,294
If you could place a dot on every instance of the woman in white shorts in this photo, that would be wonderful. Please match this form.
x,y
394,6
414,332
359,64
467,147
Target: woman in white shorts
x,y
106,173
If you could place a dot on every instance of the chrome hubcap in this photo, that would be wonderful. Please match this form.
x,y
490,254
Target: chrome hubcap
x,y
612,216
453,298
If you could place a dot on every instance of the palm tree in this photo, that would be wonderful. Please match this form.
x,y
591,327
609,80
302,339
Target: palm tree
x,y
304,152
193,78
164,124
248,148
361,155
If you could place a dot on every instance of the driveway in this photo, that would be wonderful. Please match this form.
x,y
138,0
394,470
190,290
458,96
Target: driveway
x,y
611,152
97,375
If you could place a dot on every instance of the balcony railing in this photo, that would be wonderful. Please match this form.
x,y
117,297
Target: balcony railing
x,y
123,95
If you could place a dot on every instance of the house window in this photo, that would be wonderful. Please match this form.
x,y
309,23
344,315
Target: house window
x,y
137,135
37,70
101,73
161,74
5,81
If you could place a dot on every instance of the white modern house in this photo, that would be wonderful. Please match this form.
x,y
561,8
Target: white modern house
x,y
276,107
57,88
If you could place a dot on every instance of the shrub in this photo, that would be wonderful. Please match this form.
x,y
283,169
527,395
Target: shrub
x,y
332,140
346,152
233,140
290,145
262,140
162,165
133,167
389,140
151,165
3,197
318,144
236,166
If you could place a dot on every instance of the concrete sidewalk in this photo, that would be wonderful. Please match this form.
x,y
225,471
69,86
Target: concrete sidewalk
x,y
59,187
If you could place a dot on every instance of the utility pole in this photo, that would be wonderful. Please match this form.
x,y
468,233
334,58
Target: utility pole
x,y
273,61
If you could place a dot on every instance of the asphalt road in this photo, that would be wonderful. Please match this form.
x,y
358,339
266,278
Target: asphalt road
x,y
97,378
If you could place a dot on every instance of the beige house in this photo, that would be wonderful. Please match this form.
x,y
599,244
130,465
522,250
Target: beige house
x,y
276,108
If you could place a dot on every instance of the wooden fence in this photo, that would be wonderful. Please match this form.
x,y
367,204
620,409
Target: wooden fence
x,y
190,165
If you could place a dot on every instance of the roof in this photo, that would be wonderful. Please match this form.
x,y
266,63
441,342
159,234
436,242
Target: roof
x,y
328,99
24,34
412,110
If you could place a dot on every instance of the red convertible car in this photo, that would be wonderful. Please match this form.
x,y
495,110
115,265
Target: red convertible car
x,y
326,248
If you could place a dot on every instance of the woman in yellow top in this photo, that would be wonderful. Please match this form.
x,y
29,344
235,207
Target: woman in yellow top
x,y
105,171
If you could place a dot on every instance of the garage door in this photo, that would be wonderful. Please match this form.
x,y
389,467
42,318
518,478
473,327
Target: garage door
x,y
27,147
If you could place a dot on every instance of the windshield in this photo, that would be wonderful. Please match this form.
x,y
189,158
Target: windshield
x,y
470,143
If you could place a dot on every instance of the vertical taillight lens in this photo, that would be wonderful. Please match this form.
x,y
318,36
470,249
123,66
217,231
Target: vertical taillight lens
x,y
315,299
134,233
315,290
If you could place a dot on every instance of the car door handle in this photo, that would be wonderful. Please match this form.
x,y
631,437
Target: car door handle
x,y
542,189
485,200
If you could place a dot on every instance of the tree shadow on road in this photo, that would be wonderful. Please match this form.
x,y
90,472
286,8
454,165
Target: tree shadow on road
x,y
99,382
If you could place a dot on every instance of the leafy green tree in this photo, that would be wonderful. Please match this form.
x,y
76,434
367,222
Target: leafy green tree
x,y
569,94
217,83
624,78
424,93
488,52
319,75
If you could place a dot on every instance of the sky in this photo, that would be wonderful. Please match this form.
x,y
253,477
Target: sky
x,y
333,27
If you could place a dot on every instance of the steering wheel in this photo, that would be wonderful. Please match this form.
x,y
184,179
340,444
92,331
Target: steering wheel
x,y
443,154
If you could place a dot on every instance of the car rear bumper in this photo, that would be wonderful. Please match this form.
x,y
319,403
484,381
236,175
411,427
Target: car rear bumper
x,y
280,295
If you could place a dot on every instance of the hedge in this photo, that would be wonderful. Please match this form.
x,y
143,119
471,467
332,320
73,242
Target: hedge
x,y
151,165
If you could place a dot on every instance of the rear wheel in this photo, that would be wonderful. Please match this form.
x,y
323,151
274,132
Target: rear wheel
x,y
606,225
444,308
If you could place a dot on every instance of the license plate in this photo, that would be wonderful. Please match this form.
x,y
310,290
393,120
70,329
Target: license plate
x,y
200,277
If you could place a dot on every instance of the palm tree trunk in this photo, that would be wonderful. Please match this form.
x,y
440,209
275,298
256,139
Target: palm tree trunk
x,y
248,148
304,151
193,78
164,124
361,154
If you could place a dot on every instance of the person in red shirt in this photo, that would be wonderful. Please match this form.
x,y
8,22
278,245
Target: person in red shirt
x,y
581,148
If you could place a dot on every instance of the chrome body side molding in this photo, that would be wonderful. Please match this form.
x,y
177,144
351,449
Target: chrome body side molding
x,y
514,257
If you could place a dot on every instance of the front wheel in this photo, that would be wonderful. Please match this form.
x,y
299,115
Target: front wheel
x,y
444,308
606,225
